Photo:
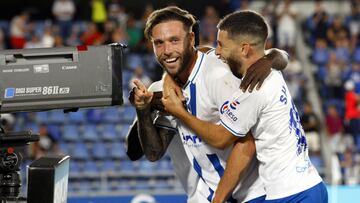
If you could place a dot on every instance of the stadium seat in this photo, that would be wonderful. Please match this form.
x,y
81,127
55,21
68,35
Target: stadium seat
x,y
57,116
99,151
71,133
42,117
128,114
80,152
90,167
109,133
94,115
77,117
90,133
111,114
117,151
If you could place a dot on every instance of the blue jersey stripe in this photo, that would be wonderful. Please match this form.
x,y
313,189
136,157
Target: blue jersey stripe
x,y
193,99
197,168
211,195
197,70
214,159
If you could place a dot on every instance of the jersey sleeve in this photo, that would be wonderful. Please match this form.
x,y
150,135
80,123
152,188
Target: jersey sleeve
x,y
240,114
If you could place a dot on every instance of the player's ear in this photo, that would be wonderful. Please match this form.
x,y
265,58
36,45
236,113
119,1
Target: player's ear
x,y
192,38
245,49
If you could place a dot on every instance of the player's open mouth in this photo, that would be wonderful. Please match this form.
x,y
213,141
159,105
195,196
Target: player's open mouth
x,y
171,60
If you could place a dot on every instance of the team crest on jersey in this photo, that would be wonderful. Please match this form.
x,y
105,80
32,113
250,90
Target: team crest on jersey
x,y
227,108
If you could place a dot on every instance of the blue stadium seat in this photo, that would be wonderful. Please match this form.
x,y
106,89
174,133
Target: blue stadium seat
x,y
80,152
111,114
109,133
128,166
90,167
99,151
128,114
109,166
57,116
64,147
142,184
54,131
94,115
162,184
42,117
165,165
124,130
90,133
77,117
74,168
71,133
147,166
117,151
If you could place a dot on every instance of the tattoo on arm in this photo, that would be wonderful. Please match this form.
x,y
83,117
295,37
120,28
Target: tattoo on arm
x,y
154,141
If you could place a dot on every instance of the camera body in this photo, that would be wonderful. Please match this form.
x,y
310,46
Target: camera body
x,y
60,78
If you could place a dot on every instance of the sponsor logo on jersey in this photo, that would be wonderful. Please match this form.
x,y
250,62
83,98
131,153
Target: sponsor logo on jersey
x,y
227,109
191,140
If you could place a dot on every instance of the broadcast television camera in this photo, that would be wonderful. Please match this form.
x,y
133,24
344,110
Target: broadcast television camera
x,y
43,79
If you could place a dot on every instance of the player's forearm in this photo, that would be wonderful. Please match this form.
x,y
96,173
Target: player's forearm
x,y
279,58
237,162
215,135
150,140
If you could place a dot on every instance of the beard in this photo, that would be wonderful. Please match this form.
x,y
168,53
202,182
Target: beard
x,y
184,60
235,66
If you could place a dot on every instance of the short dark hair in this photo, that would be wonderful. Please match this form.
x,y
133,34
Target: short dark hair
x,y
244,23
169,13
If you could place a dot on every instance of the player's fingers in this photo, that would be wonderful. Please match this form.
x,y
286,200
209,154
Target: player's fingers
x,y
261,81
139,85
132,95
248,79
254,82
178,92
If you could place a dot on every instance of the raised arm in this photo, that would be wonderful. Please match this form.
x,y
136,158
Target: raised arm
x,y
239,159
257,73
153,141
215,135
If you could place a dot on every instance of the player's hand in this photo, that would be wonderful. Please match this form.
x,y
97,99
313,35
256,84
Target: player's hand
x,y
173,103
256,74
169,83
140,97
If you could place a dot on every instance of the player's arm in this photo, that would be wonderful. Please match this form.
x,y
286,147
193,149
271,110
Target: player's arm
x,y
257,73
153,141
215,135
239,159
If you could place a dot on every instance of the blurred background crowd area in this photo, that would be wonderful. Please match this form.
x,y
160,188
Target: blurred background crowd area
x,y
323,75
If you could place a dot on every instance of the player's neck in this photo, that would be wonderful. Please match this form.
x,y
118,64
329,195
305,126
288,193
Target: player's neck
x,y
251,60
184,76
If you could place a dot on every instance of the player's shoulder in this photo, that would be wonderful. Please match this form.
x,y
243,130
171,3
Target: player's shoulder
x,y
156,86
273,82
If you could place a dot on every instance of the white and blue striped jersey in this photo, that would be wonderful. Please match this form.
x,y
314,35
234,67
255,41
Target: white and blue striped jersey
x,y
208,85
184,171
281,147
